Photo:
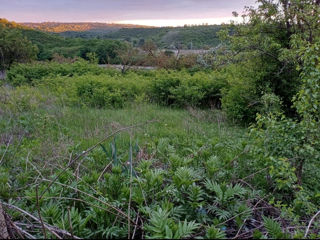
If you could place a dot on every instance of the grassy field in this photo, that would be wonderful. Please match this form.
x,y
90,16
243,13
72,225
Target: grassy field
x,y
40,137
89,152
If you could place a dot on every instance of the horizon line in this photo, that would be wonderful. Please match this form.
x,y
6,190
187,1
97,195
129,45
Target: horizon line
x,y
151,22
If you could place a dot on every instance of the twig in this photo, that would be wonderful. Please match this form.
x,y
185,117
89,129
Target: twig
x,y
77,171
310,223
38,208
20,230
50,228
104,171
237,157
251,230
251,175
92,148
244,222
70,158
135,228
80,200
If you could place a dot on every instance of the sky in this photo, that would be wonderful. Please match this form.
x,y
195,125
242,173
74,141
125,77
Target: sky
x,y
146,12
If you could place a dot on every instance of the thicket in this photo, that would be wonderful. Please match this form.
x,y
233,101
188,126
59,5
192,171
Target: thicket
x,y
22,74
91,85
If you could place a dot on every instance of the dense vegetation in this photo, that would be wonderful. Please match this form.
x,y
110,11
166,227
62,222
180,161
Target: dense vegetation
x,y
99,153
188,37
14,47
52,46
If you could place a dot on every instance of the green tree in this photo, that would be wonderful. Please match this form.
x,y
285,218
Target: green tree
x,y
266,38
14,47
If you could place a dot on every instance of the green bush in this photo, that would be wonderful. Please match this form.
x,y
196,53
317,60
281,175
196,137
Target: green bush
x,y
183,89
241,98
81,83
97,90
21,74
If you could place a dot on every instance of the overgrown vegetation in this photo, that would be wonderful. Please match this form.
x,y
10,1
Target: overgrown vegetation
x,y
91,152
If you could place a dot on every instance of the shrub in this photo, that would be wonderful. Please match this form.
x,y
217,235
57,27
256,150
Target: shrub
x,y
97,90
82,83
241,99
183,89
21,74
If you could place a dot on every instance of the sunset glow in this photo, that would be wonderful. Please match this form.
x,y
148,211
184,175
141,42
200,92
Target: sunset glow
x,y
145,12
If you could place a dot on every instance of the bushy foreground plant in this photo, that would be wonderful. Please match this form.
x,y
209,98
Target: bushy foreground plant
x,y
290,148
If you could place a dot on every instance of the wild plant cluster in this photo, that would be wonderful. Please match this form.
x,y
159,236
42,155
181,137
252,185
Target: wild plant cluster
x,y
60,181
88,152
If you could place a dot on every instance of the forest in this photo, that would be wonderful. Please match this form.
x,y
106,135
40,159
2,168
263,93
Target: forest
x,y
220,144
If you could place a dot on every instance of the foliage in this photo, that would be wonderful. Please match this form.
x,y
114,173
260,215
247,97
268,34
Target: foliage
x,y
94,86
289,147
189,37
21,74
14,47
258,40
181,89
274,229
163,227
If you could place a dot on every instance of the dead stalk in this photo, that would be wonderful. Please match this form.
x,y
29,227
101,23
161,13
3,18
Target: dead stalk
x,y
70,223
51,229
5,151
40,218
104,171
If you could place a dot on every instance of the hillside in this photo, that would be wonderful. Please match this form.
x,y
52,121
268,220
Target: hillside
x,y
58,27
52,44
188,37
167,37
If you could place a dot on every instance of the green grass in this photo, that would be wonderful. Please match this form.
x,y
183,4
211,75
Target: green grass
x,y
189,173
39,137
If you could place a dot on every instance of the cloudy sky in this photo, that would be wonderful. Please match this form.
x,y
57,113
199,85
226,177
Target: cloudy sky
x,y
149,12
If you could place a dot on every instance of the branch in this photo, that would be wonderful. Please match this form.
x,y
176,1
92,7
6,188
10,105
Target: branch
x,y
50,228
310,223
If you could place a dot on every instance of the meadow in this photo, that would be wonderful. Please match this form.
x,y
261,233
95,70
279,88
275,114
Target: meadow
x,y
92,153
224,144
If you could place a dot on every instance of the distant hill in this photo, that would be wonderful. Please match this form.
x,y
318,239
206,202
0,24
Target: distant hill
x,y
188,37
51,44
11,24
58,27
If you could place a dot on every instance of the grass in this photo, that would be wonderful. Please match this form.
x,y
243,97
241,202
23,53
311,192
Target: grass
x,y
39,137
67,126
187,174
